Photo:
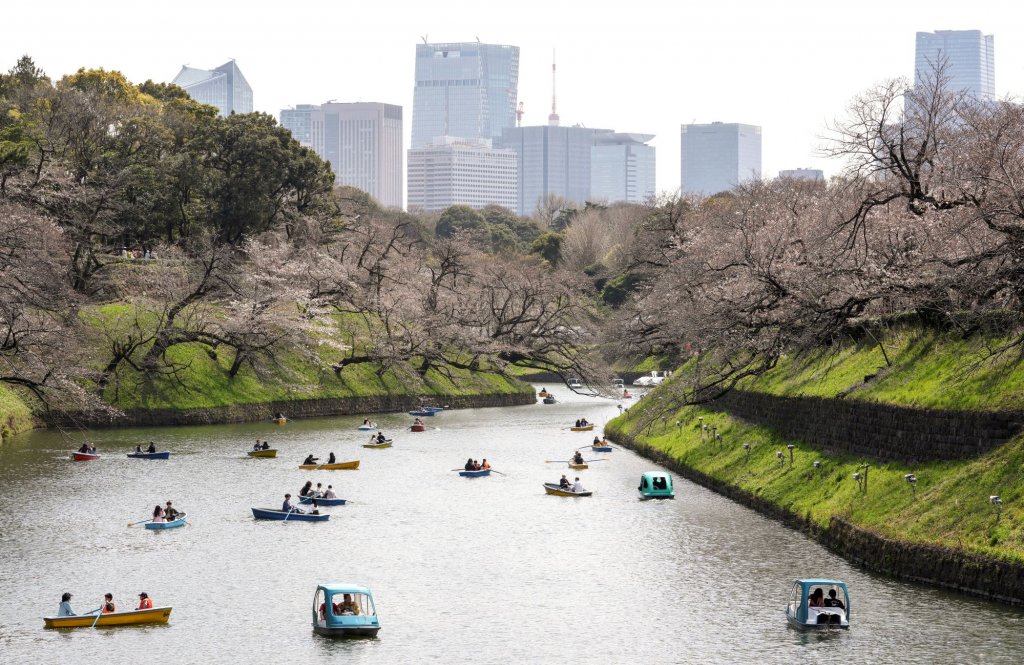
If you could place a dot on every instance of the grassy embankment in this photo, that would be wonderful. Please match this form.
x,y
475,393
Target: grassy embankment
x,y
15,416
951,507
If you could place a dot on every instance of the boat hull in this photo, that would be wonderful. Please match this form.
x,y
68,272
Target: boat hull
x,y
164,454
648,495
320,501
816,626
417,428
585,428
346,631
133,618
269,452
354,464
553,488
173,524
422,412
83,457
280,421
386,444
271,514
475,474
578,466
601,449
366,428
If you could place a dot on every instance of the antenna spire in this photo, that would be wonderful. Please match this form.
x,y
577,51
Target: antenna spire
x,y
553,118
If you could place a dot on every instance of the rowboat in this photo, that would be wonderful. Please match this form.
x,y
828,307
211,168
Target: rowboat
x,y
578,466
417,428
367,428
271,514
173,524
543,393
601,449
321,501
344,610
81,457
831,611
269,452
475,474
553,488
165,454
656,485
354,464
422,412
550,399
130,618
583,428
280,421
386,444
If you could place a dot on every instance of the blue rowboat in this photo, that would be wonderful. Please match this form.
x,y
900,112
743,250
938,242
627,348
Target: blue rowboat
x,y
344,610
601,449
320,501
165,454
422,412
475,474
271,514
176,522
367,428
435,409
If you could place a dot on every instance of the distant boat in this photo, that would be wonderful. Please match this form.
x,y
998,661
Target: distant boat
x,y
280,421
550,399
553,488
574,383
418,428
173,524
269,452
271,514
353,464
423,412
164,454
385,444
583,428
573,465
656,485
130,618
367,428
321,501
801,615
356,618
475,473
83,457
601,449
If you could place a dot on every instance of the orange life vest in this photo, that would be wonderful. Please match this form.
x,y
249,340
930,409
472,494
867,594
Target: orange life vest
x,y
108,608
145,604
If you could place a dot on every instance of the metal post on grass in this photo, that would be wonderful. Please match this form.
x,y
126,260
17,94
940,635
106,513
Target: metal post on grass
x,y
997,504
912,481
746,447
790,447
779,456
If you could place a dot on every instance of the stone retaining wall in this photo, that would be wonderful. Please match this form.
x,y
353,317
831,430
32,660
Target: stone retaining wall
x,y
881,431
308,408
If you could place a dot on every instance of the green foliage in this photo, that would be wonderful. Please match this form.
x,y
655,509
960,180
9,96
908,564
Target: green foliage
x,y
548,246
15,415
617,289
459,218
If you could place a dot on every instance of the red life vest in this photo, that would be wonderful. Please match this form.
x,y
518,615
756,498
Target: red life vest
x,y
145,604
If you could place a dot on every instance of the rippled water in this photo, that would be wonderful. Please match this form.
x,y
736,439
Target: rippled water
x,y
488,570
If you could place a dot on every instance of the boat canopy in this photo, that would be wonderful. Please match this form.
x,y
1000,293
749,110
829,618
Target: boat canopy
x,y
359,613
802,590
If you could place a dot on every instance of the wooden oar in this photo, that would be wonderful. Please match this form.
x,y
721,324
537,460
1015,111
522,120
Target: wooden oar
x,y
498,472
599,459
99,613
131,524
549,461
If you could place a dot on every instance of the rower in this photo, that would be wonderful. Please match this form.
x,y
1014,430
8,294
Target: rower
x,y
329,494
152,447
85,449
564,482
577,458
577,486
288,506
108,606
256,446
331,459
380,437
145,602
170,512
311,460
319,491
469,464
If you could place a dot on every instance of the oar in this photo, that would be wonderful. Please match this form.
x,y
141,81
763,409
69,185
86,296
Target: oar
x,y
131,524
549,461
288,515
498,472
99,613
599,459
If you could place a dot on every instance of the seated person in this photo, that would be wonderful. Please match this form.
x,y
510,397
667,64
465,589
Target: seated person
x,y
577,423
108,606
597,441
484,465
256,446
152,447
833,601
266,446
331,459
577,458
138,448
817,598
85,448
170,512
578,486
329,494
469,464
310,459
347,606
288,506
381,438
564,483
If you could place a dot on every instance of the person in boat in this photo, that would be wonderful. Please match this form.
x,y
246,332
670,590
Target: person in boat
x,y
577,458
577,423
85,449
833,601
145,602
417,422
347,606
331,459
108,606
817,598
307,489
170,512
476,465
152,447
266,445
64,609
577,486
279,416
256,446
288,506
91,449
366,422
484,465
564,483
381,438
597,441
158,515
319,491
469,464
310,459
138,448
329,494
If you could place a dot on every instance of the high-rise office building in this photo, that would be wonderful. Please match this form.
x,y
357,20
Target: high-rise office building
x,y
456,171
464,90
718,156
622,167
223,87
551,160
362,141
803,174
968,57
299,121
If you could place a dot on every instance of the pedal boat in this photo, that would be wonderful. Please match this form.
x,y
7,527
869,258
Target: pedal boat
x,y
329,624
656,485
801,615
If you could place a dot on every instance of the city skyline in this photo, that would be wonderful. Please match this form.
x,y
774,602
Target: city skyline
x,y
776,67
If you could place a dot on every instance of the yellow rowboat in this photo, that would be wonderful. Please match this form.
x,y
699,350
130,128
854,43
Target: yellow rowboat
x,y
280,421
578,466
585,428
553,488
543,393
269,452
354,464
131,618
386,444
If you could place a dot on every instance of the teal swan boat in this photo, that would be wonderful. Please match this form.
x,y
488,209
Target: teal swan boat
x,y
344,610
656,485
818,604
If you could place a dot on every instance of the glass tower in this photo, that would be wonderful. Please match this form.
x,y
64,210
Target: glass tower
x,y
719,156
622,167
967,55
223,87
551,160
464,90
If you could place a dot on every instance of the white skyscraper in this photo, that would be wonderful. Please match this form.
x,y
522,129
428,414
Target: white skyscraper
x,y
622,167
223,87
968,57
456,171
717,157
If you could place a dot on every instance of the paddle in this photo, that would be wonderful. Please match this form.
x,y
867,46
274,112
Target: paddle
x,y
498,472
599,459
99,613
549,461
131,524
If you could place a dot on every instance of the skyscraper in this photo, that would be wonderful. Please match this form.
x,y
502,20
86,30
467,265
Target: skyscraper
x,y
465,90
967,55
552,160
299,121
803,174
622,167
223,87
455,171
719,156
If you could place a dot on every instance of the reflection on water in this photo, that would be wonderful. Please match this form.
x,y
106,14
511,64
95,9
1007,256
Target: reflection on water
x,y
486,570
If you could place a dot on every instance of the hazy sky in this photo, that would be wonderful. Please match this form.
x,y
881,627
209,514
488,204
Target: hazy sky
x,y
638,65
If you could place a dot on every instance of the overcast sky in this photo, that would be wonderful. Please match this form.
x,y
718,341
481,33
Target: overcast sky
x,y
636,66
